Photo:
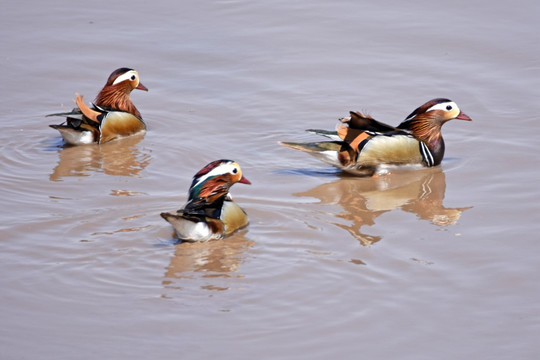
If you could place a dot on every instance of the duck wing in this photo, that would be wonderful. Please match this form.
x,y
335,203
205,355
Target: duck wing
x,y
359,121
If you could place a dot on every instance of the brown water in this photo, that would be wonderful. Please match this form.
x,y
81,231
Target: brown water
x,y
432,264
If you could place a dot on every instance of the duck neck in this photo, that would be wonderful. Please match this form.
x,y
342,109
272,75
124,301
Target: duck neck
x,y
117,98
428,131
436,147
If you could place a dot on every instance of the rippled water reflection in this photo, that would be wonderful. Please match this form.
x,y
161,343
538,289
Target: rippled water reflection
x,y
119,158
436,263
364,200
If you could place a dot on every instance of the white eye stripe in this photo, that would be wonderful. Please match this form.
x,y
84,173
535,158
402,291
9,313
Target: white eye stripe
x,y
227,168
130,75
445,106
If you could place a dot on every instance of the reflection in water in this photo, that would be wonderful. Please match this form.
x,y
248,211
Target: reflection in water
x,y
119,157
364,199
216,258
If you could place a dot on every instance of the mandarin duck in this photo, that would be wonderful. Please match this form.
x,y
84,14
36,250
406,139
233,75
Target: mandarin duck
x,y
210,212
364,146
113,114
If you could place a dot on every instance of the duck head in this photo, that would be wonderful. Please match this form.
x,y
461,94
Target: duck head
x,y
425,123
437,111
125,78
214,180
115,93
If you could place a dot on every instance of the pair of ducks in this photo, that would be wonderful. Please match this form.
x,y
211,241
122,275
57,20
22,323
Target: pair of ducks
x,y
360,145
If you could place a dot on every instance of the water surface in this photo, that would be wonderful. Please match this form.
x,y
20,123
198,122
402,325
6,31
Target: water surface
x,y
436,263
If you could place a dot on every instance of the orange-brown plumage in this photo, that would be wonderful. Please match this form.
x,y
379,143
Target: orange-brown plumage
x,y
117,96
114,114
362,145
210,212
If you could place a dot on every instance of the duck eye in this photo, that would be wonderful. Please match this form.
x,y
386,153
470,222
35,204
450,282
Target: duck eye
x,y
235,170
132,77
448,107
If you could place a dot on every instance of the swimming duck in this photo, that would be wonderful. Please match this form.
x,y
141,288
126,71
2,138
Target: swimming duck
x,y
113,114
210,212
364,146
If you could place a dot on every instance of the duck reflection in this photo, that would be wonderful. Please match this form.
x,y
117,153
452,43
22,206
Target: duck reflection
x,y
216,258
364,199
119,157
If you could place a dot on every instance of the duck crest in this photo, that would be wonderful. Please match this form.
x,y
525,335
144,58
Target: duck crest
x,y
210,185
422,109
206,178
115,74
208,168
